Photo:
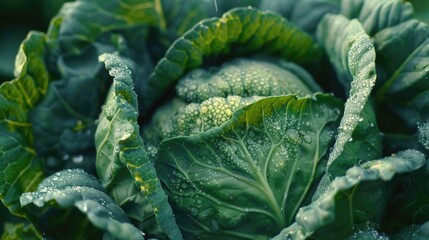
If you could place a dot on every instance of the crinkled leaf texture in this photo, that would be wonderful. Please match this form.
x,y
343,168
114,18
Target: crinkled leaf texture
x,y
248,177
57,199
298,11
353,199
123,165
20,170
377,15
352,54
239,31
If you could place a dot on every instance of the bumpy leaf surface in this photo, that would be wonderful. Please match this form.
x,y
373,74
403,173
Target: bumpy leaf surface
x,y
352,54
74,189
377,15
121,156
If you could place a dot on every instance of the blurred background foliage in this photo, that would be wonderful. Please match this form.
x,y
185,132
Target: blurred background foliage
x,y
18,17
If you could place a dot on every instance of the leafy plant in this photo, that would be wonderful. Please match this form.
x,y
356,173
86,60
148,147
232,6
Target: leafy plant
x,y
158,119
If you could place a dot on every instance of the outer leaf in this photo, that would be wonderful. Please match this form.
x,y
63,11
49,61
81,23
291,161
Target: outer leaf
x,y
76,189
178,16
364,144
414,232
248,177
409,204
78,28
64,121
243,30
298,11
351,52
20,95
377,15
19,231
356,198
403,53
20,171
121,156
366,232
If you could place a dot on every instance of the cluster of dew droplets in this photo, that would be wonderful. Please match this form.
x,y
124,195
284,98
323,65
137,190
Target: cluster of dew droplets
x,y
361,64
241,77
423,134
54,186
116,67
199,117
74,188
312,216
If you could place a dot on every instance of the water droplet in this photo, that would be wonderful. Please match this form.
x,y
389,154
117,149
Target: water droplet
x,y
77,159
215,225
184,185
307,139
293,134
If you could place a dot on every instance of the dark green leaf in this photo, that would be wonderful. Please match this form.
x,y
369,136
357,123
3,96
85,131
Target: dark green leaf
x,y
414,232
64,120
59,196
377,15
83,22
298,11
248,177
20,170
409,203
353,199
243,30
402,53
19,231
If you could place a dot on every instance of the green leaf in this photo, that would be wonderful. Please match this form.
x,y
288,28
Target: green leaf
x,y
367,232
59,196
21,171
20,95
298,11
377,15
353,199
413,232
364,144
78,28
121,156
409,202
402,53
237,32
352,54
19,231
248,177
63,122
